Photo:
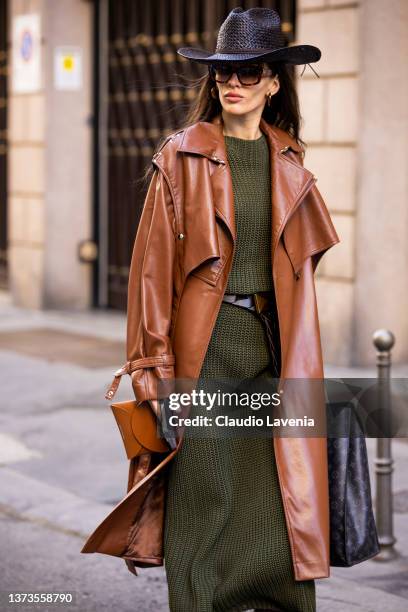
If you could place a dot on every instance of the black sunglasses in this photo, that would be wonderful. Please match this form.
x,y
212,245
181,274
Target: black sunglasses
x,y
250,74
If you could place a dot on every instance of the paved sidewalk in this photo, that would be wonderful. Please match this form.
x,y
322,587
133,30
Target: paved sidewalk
x,y
63,468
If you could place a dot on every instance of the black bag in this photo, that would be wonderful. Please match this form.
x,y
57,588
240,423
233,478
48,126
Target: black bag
x,y
353,533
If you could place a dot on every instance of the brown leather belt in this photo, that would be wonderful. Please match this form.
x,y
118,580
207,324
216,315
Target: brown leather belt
x,y
257,302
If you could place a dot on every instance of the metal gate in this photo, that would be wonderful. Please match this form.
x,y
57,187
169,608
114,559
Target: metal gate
x,y
146,100
3,143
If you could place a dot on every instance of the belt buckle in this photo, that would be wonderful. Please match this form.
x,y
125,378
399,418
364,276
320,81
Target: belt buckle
x,y
261,302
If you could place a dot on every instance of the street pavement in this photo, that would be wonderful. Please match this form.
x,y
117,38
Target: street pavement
x,y
63,468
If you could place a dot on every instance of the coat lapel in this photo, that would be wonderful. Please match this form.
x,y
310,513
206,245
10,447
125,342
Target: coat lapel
x,y
290,181
206,138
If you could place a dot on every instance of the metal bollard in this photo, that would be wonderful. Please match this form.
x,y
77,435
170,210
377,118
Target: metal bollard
x,y
384,340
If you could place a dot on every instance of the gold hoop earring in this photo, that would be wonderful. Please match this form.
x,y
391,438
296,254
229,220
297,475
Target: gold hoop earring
x,y
269,97
213,92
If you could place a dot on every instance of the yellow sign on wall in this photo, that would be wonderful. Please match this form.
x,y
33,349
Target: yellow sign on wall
x,y
68,68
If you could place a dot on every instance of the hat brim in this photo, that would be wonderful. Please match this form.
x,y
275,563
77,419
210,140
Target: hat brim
x,y
296,54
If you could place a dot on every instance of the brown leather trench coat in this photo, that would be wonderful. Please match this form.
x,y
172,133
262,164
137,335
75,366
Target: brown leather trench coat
x,y
180,264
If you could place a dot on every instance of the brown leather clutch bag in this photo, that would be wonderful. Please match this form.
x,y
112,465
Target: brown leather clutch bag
x,y
138,427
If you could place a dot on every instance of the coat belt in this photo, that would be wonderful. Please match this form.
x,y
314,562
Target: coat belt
x,y
137,364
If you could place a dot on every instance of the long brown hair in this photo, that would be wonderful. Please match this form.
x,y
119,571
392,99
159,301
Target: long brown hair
x,y
283,112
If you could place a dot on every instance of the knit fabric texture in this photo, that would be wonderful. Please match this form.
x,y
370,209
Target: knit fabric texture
x,y
251,182
226,546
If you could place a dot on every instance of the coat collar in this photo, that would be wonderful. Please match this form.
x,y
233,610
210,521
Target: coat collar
x,y
206,138
290,181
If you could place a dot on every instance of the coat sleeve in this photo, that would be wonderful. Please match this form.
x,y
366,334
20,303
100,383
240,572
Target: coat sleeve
x,y
150,296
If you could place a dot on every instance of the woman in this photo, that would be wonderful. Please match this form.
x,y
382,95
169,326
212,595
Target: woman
x,y
241,523
225,544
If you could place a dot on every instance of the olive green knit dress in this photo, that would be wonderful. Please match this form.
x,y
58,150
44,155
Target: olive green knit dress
x,y
226,545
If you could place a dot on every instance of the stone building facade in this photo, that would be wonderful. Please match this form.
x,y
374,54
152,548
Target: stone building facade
x,y
355,125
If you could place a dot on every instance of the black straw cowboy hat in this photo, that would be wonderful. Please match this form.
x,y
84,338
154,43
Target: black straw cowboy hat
x,y
249,35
